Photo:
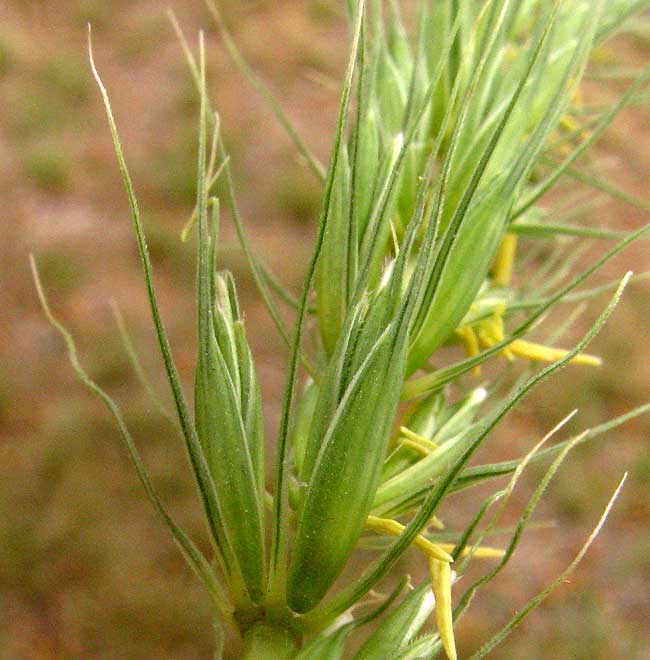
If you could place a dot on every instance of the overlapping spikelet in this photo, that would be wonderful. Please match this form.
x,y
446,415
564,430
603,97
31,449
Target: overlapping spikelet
x,y
436,169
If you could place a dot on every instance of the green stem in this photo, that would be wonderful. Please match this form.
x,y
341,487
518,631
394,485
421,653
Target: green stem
x,y
264,641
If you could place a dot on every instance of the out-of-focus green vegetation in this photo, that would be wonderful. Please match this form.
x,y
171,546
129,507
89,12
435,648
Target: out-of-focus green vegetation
x,y
85,569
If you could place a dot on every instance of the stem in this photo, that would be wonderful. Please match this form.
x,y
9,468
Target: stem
x,y
264,641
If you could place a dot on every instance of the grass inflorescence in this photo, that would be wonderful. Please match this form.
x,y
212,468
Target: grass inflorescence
x,y
431,269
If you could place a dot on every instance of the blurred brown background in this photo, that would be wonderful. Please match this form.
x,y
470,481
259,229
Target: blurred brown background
x,y
86,570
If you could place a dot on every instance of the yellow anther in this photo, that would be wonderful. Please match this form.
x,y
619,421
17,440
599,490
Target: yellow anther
x,y
479,553
541,353
405,442
416,441
470,342
389,527
440,570
469,339
436,522
441,587
569,123
491,331
503,262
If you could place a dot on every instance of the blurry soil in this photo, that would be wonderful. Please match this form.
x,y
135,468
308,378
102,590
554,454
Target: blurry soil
x,y
86,571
